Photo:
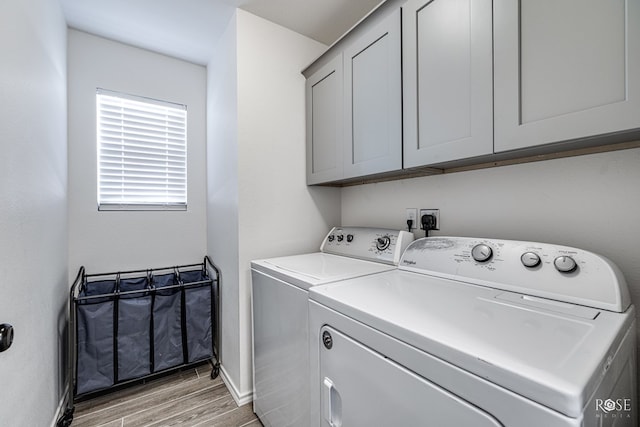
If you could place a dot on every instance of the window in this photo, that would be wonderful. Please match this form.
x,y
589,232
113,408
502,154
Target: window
x,y
142,153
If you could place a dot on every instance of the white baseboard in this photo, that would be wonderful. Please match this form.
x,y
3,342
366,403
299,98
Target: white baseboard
x,y
240,398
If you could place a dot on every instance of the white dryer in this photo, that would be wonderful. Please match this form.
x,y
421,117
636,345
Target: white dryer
x,y
280,313
476,332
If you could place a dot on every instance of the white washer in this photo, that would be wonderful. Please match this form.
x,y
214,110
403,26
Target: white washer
x,y
476,332
280,313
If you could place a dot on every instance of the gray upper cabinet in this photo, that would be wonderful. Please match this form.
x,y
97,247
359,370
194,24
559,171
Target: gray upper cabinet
x,y
373,100
565,70
324,89
419,86
354,104
448,81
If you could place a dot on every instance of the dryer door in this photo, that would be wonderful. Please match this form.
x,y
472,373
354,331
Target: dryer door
x,y
363,388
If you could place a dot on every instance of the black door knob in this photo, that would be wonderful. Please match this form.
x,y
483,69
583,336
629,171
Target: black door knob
x,y
6,336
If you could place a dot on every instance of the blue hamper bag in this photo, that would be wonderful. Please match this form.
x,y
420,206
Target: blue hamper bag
x,y
167,323
134,328
95,322
198,314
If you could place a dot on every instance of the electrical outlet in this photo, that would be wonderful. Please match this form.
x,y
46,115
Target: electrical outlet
x,y
434,212
412,215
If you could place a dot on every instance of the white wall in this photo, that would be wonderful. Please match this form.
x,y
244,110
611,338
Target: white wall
x,y
589,202
222,192
33,209
108,241
277,213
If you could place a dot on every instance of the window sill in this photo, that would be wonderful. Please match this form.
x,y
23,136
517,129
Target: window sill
x,y
142,207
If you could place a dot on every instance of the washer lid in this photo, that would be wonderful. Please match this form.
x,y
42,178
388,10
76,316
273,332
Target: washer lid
x,y
317,268
550,356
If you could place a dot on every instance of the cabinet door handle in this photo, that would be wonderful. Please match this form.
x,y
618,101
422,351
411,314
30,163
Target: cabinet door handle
x,y
331,404
6,336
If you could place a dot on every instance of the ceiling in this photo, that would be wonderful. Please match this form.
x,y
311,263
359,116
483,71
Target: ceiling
x,y
189,29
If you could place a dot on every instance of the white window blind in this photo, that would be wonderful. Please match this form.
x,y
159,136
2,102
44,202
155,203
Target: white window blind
x,y
142,153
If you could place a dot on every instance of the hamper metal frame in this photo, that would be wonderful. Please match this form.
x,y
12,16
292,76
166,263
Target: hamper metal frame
x,y
208,268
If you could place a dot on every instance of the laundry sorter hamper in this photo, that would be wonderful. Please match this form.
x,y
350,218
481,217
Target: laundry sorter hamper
x,y
129,326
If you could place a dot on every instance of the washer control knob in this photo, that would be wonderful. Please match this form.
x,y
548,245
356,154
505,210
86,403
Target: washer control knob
x,y
349,237
331,238
340,237
482,252
383,243
565,264
530,259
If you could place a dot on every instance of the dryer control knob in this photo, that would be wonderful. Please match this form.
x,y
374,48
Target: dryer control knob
x,y
482,252
340,237
530,259
565,264
349,237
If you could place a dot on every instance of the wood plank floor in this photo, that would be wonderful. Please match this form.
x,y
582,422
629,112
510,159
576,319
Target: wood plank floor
x,y
186,398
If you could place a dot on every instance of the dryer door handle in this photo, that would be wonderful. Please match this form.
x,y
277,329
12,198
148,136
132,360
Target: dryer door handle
x,y
331,404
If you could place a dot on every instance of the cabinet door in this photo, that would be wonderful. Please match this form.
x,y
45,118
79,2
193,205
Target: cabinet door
x,y
447,70
324,123
373,101
565,70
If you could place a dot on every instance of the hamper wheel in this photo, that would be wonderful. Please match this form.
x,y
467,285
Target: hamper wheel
x,y
215,371
66,419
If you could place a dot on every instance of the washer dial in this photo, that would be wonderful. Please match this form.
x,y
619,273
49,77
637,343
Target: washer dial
x,y
482,252
383,243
